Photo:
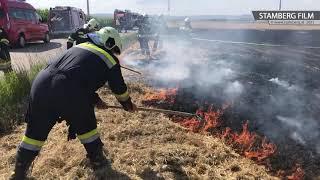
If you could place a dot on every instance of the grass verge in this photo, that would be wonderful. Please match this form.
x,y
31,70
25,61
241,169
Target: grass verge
x,y
14,88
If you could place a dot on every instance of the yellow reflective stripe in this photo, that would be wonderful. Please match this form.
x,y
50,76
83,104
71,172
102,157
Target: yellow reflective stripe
x,y
123,97
92,46
34,142
83,36
4,41
88,134
5,66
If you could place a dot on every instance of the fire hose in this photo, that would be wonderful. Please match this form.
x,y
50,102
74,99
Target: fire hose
x,y
165,111
129,69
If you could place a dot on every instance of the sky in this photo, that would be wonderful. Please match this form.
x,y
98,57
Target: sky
x,y
183,7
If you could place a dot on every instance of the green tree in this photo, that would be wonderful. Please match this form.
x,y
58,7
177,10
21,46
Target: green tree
x,y
44,13
103,21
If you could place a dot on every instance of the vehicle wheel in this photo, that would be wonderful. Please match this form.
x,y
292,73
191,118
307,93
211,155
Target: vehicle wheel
x,y
21,41
46,38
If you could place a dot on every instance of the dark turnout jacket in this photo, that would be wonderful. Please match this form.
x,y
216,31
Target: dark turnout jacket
x,y
4,46
80,36
86,68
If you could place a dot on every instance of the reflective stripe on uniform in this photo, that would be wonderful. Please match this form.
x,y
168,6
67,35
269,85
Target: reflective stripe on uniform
x,y
4,41
83,36
5,65
89,136
31,144
106,57
122,97
70,39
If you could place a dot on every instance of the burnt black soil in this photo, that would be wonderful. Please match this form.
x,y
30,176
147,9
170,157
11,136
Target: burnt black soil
x,y
287,112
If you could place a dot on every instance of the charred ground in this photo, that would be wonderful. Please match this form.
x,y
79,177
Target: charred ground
x,y
272,83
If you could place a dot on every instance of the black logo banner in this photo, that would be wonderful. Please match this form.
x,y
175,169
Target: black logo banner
x,y
285,15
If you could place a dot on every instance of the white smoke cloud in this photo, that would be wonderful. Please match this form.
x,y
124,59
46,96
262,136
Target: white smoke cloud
x,y
302,129
284,84
234,89
221,71
184,61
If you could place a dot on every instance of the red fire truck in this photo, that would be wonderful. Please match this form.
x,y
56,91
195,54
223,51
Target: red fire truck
x,y
125,19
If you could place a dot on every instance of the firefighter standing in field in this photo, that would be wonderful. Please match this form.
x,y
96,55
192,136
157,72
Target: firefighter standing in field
x,y
186,29
5,59
66,88
160,27
80,36
187,23
144,34
118,25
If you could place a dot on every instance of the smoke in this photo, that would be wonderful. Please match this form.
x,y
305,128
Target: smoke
x,y
234,89
284,84
187,65
270,86
302,129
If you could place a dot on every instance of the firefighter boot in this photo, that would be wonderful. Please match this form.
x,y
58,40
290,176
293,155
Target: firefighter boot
x,y
24,160
99,161
95,154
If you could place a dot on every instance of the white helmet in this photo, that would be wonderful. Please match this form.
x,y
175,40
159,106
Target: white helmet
x,y
187,20
93,25
110,38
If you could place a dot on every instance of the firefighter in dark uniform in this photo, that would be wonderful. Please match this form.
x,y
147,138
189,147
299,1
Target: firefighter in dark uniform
x,y
159,27
144,34
5,59
67,88
80,36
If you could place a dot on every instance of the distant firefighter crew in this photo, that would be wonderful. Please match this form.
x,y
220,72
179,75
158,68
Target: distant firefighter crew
x,y
5,59
159,28
66,89
144,34
187,23
186,29
80,36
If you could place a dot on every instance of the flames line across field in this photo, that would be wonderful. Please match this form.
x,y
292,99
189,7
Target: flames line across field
x,y
246,143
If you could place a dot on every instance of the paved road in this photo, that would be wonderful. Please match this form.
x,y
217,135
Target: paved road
x,y
36,52
39,52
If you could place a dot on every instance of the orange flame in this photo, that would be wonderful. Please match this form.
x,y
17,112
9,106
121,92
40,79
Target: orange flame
x,y
266,150
191,123
245,138
162,94
297,175
246,142
211,120
249,144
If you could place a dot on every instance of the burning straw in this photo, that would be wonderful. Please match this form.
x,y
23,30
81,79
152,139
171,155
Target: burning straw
x,y
247,143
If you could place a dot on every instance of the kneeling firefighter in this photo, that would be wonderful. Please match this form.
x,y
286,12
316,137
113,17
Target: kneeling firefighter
x,y
80,36
66,89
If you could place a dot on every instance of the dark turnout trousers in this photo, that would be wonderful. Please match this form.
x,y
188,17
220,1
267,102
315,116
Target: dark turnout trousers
x,y
66,90
51,97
